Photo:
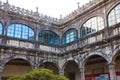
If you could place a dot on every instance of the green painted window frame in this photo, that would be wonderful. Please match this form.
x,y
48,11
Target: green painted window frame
x,y
70,36
49,37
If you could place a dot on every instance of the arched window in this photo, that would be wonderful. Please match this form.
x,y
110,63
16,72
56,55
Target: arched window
x,y
70,36
20,31
1,28
92,25
114,16
49,38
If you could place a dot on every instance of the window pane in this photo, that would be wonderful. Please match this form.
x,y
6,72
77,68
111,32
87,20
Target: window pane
x,y
92,25
20,31
49,38
114,16
69,36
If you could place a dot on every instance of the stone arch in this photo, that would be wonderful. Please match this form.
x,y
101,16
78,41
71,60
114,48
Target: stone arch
x,y
71,70
115,53
92,54
67,28
48,29
115,56
16,66
50,65
44,61
65,63
22,22
17,57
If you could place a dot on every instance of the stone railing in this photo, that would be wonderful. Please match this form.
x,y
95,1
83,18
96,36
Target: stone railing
x,y
49,48
11,8
97,38
82,9
47,19
20,44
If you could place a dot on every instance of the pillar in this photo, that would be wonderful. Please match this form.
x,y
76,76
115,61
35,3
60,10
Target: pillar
x,y
112,71
82,73
61,72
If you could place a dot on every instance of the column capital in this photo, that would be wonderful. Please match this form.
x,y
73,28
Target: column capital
x,y
111,65
82,69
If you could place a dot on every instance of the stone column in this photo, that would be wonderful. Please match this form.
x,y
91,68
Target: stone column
x,y
1,69
61,72
112,71
82,74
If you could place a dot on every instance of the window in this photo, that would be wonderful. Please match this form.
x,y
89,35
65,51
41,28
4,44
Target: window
x,y
70,36
49,38
20,31
114,16
92,25
1,28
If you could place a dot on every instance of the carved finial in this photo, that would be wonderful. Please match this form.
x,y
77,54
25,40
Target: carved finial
x,y
36,9
61,16
7,1
78,4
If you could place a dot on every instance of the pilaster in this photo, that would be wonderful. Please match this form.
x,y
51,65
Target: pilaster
x,y
112,71
82,73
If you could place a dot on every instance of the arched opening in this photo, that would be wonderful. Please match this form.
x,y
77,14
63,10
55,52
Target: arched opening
x,y
21,31
16,67
96,68
51,66
117,64
113,16
48,37
69,36
71,70
91,26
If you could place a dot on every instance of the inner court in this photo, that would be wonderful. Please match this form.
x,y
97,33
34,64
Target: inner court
x,y
85,45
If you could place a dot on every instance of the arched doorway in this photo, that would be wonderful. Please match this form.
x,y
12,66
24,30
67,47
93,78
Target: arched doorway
x,y
117,65
51,66
71,70
96,68
16,67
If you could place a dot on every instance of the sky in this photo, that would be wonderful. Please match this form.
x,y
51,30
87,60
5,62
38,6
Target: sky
x,y
53,8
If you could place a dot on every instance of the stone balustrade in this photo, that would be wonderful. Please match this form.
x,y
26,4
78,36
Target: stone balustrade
x,y
80,10
81,43
40,17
